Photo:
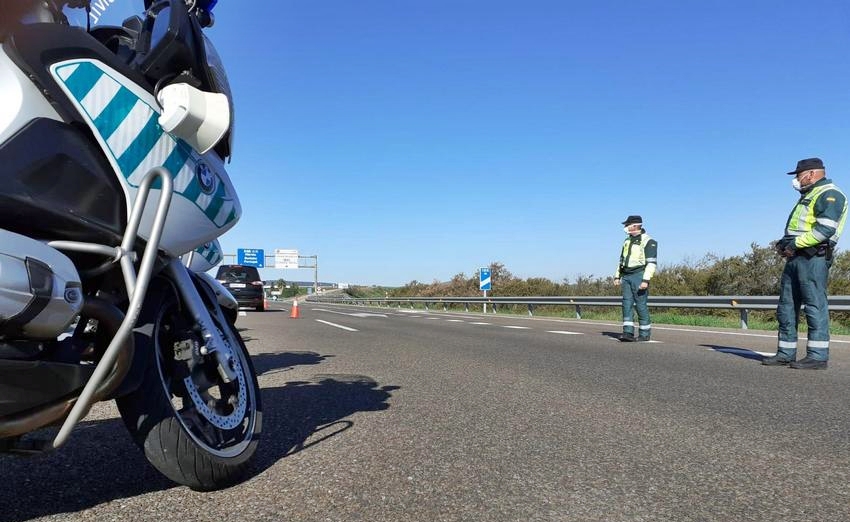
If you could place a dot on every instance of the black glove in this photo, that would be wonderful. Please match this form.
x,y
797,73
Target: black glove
x,y
785,247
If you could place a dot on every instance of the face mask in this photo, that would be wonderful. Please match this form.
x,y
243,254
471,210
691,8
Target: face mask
x,y
796,184
626,230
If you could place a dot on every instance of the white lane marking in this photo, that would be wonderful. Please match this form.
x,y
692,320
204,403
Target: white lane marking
x,y
480,323
518,327
564,332
243,314
686,330
337,325
636,342
654,327
433,318
356,314
454,321
741,351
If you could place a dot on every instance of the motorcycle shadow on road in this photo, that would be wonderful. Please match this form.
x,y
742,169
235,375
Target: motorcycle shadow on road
x,y
301,414
265,363
296,416
99,464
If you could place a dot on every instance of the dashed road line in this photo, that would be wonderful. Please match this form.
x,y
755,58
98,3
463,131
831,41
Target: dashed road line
x,y
564,332
338,326
517,327
482,323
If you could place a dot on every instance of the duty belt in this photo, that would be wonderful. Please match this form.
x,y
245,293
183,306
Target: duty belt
x,y
822,250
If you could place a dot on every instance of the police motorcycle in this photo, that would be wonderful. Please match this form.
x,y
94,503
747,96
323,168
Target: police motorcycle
x,y
113,191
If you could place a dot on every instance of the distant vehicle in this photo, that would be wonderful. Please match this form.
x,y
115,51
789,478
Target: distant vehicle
x,y
244,283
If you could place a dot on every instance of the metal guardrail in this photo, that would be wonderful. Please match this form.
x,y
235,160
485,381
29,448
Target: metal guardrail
x,y
743,304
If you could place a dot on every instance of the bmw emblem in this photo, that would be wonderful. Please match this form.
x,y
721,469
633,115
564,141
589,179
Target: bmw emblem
x,y
206,178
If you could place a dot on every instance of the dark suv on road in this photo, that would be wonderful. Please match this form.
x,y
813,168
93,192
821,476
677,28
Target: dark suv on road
x,y
244,283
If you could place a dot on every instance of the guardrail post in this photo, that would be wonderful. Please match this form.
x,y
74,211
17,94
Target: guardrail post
x,y
530,310
578,311
445,307
426,306
466,307
744,316
494,308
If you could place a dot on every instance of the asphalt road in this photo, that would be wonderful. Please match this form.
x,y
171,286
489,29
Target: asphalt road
x,y
388,415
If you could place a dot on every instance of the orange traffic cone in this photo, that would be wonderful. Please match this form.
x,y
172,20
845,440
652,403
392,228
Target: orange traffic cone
x,y
294,314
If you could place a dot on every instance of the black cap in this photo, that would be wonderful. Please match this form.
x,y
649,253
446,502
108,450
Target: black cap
x,y
807,164
631,220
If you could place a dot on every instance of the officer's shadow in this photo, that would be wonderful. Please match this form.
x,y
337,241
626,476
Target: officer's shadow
x,y
740,352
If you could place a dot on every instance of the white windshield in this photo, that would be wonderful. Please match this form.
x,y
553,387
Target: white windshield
x,y
105,12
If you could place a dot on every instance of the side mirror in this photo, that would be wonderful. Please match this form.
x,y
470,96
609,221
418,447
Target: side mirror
x,y
165,43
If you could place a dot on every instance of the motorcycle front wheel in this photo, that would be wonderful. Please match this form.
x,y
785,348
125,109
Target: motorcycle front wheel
x,y
194,427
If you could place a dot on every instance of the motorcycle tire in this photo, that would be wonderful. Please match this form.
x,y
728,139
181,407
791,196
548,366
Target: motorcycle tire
x,y
194,428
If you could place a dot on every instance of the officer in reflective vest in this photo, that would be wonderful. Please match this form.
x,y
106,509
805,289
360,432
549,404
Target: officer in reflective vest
x,y
638,259
813,228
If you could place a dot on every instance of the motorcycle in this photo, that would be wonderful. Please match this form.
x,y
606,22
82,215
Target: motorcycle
x,y
113,141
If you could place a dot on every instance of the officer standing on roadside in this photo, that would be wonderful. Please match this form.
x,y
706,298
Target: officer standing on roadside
x,y
638,260
812,230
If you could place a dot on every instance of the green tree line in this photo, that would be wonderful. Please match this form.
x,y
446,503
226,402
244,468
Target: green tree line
x,y
756,272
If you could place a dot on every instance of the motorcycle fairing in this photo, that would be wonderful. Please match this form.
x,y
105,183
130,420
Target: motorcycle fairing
x,y
65,191
206,257
123,118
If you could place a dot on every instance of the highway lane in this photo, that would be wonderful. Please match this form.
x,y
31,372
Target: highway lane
x,y
414,416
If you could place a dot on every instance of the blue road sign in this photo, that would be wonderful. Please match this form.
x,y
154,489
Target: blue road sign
x,y
484,278
251,257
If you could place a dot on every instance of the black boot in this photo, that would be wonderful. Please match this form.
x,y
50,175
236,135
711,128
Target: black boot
x,y
627,338
807,363
777,360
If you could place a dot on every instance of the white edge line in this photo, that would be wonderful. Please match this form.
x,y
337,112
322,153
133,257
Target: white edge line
x,y
564,332
517,327
740,351
637,342
338,325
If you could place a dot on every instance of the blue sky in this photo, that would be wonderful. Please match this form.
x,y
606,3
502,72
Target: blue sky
x,y
404,140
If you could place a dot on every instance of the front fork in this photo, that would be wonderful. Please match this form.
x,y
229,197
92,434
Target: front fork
x,y
213,343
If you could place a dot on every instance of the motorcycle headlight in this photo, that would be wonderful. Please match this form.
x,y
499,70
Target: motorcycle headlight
x,y
218,77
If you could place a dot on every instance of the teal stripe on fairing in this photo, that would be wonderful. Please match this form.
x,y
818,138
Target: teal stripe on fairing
x,y
216,203
214,207
83,79
193,190
230,217
115,112
141,146
176,159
